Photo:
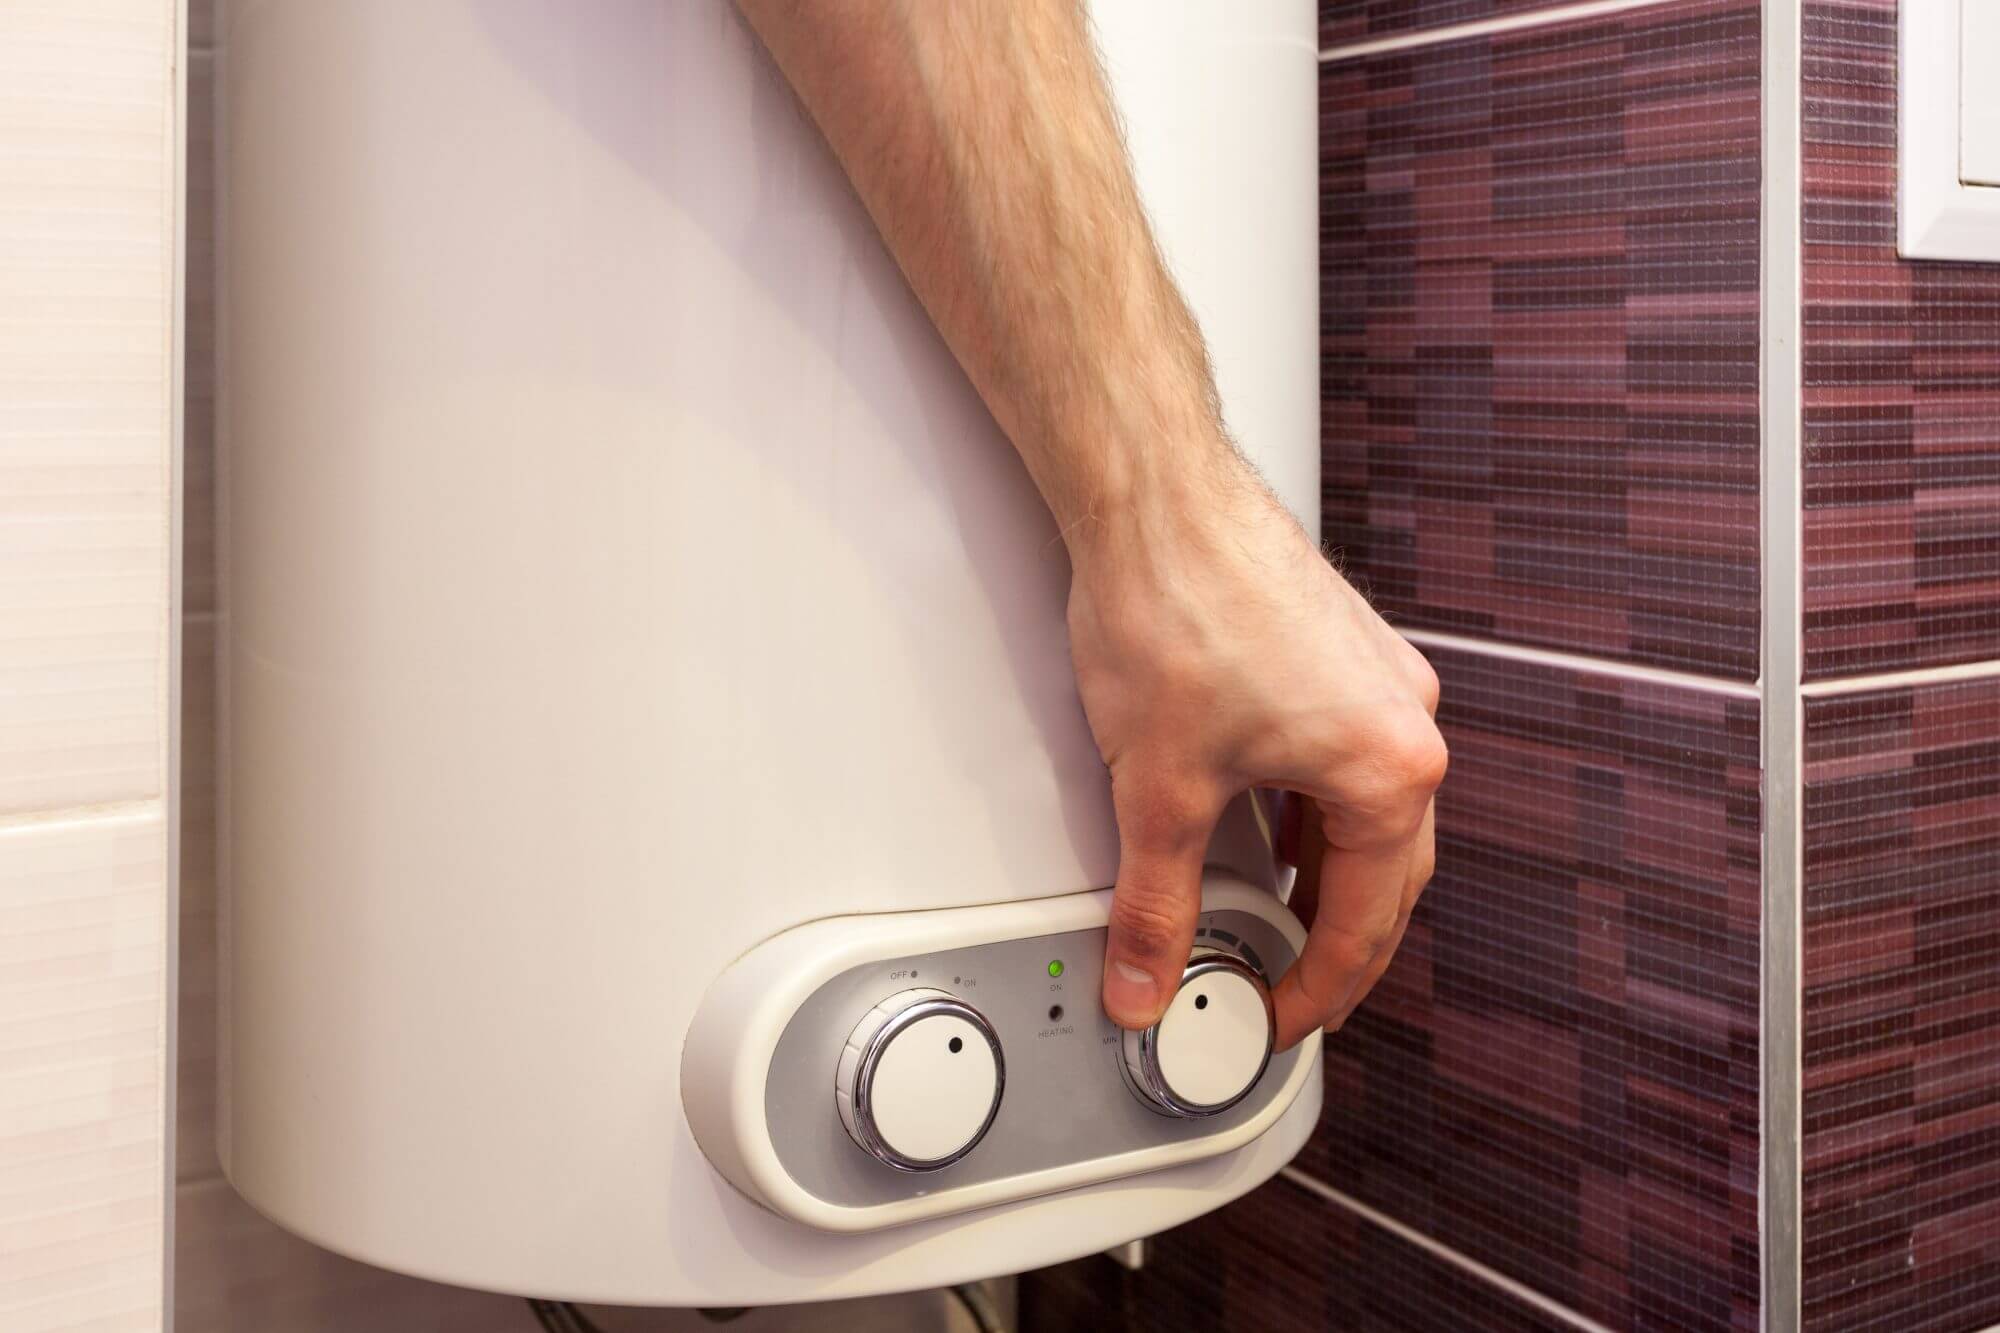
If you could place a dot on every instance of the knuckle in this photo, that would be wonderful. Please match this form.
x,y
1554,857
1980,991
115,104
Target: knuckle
x,y
1162,815
1376,934
1423,866
1421,758
1148,924
1407,762
1319,980
1352,949
1352,944
1423,680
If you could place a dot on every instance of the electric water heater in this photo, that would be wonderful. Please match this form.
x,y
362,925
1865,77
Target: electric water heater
x,y
666,861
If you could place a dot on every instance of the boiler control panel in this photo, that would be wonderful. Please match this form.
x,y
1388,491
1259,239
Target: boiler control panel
x,y
929,1066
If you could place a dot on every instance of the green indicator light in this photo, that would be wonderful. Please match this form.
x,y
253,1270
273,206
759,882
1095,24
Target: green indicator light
x,y
1055,967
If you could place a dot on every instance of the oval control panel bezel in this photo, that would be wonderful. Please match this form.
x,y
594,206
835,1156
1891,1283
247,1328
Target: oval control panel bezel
x,y
757,1081
1067,1101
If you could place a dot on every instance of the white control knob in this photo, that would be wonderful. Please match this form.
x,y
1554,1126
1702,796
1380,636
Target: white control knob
x,y
1210,1047
920,1080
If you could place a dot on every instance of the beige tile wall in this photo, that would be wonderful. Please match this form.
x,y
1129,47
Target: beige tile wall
x,y
88,202
235,1272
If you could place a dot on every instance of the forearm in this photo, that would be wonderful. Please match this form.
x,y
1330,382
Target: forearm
x,y
1215,649
981,139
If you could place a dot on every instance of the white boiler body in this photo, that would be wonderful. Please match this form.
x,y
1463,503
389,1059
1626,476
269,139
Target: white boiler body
x,y
620,573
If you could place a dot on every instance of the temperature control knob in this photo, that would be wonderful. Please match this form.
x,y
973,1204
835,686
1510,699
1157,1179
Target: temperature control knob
x,y
920,1079
1210,1047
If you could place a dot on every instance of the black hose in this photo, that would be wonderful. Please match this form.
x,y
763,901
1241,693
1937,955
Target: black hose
x,y
561,1317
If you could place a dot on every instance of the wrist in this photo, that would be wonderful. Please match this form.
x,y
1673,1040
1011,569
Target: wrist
x,y
1173,491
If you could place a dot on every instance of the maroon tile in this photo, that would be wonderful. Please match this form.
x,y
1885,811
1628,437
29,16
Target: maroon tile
x,y
1902,387
1901,1005
1539,333
1558,1076
1280,1260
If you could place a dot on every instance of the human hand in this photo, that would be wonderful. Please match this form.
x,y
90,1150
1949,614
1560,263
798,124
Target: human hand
x,y
1217,650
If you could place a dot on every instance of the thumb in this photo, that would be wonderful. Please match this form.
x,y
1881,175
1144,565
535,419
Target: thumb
x,y
1163,834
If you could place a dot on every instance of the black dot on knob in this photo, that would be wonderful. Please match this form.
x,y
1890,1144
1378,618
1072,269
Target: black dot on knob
x,y
957,1045
1201,1002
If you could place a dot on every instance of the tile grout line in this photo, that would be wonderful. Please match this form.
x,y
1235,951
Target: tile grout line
x,y
1444,1253
1582,663
1452,32
77,816
1781,720
1834,686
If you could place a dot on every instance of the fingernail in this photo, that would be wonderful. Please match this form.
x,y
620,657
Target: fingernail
x,y
1131,996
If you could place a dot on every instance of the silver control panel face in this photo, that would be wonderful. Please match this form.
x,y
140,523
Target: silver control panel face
x,y
1065,1099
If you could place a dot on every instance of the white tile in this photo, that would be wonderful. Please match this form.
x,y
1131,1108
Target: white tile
x,y
82,1077
86,303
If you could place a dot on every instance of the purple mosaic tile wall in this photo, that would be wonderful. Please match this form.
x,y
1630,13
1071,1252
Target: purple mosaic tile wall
x,y
1539,323
1559,1077
1540,333
1539,405
1278,1259
1902,1009
1901,1152
1902,387
1540,428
